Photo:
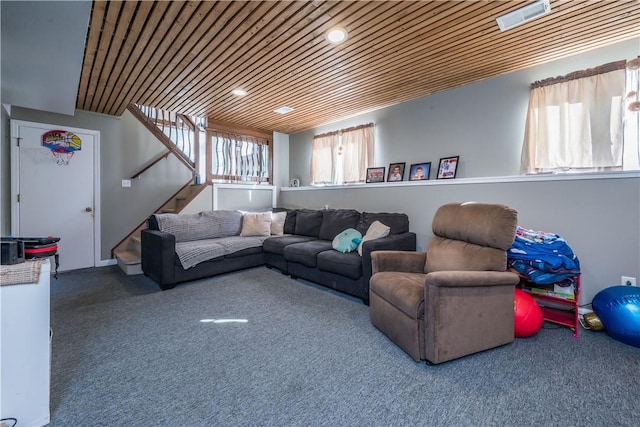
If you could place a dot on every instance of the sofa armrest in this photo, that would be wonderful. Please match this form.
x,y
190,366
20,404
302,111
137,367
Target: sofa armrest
x,y
395,242
404,261
158,255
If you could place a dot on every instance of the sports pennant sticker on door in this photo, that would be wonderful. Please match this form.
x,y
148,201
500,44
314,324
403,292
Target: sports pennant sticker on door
x,y
63,145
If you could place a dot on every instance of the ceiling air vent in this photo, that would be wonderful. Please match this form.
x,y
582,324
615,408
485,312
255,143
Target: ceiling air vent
x,y
524,14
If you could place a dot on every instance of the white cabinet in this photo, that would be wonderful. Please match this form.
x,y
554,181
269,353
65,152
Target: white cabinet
x,y
25,351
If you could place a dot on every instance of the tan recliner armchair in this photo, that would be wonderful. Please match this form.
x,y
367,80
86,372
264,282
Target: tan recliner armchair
x,y
457,298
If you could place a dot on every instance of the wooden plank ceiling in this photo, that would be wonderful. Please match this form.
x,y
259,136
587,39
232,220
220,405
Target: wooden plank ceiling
x,y
188,56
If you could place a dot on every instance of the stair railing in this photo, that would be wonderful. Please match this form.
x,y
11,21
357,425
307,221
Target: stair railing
x,y
178,132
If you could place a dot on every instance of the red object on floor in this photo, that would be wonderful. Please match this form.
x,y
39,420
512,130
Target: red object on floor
x,y
527,315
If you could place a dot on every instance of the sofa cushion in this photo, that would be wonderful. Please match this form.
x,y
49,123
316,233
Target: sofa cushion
x,y
277,223
308,223
306,253
404,291
345,264
276,244
192,252
397,222
196,251
336,221
290,222
244,252
203,225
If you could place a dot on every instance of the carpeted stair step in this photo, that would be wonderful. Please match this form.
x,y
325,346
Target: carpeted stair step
x,y
135,246
129,259
129,262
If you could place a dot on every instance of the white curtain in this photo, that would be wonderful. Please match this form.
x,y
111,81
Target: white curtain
x,y
631,155
576,125
342,157
323,151
357,153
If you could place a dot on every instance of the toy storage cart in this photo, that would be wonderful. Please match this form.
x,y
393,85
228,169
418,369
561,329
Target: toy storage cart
x,y
557,307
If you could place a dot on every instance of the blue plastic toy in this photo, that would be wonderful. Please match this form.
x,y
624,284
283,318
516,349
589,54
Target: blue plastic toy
x,y
618,307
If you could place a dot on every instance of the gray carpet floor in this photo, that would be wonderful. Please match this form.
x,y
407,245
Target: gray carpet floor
x,y
126,353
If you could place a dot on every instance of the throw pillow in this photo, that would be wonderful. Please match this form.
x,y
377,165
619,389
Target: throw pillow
x,y
376,230
347,241
256,224
277,223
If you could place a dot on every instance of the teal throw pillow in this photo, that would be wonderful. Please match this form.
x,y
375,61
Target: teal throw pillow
x,y
347,241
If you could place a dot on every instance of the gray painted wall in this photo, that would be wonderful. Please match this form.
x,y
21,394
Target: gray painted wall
x,y
245,198
482,122
242,197
124,146
280,159
599,218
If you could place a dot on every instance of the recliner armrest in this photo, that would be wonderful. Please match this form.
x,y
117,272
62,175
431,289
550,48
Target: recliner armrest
x,y
404,261
466,312
458,279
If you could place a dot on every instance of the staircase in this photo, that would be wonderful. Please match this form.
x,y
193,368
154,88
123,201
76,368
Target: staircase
x,y
179,134
128,253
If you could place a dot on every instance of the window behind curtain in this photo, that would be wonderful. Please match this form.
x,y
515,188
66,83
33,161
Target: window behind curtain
x,y
322,159
577,122
342,157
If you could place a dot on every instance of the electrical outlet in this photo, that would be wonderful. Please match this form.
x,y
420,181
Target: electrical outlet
x,y
628,281
126,183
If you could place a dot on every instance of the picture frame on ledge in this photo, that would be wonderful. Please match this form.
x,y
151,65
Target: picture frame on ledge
x,y
448,167
375,174
396,172
419,171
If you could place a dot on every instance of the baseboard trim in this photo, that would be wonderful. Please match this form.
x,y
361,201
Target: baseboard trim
x,y
107,262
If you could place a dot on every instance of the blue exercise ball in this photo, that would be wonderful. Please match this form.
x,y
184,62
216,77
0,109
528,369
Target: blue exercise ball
x,y
618,307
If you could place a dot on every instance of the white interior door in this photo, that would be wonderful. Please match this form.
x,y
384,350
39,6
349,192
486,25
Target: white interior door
x,y
54,182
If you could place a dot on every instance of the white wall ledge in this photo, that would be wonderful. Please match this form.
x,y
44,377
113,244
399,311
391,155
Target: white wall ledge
x,y
244,185
480,180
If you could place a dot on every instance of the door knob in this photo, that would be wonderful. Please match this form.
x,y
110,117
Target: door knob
x,y
88,209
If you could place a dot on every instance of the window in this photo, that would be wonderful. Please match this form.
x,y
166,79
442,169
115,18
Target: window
x,y
581,123
343,156
239,156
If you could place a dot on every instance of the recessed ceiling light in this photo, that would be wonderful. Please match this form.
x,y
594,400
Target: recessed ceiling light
x,y
283,110
239,92
336,35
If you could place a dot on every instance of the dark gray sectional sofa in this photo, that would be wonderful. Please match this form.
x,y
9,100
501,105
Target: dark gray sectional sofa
x,y
303,251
